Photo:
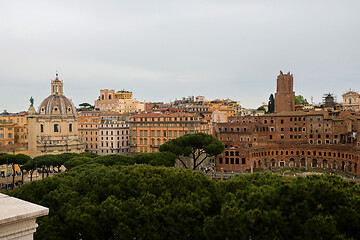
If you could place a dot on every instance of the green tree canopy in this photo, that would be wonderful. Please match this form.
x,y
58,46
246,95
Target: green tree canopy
x,y
300,100
144,202
13,159
198,147
77,161
122,202
86,106
114,159
166,159
30,166
89,154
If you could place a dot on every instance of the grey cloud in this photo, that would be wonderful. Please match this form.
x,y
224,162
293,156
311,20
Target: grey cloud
x,y
164,50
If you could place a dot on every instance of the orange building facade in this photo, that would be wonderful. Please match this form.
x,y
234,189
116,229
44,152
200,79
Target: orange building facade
x,y
288,138
150,130
88,126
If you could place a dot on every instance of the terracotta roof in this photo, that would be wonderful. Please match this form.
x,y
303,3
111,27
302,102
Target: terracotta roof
x,y
167,114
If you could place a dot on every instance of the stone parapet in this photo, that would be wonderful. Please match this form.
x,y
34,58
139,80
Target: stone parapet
x,y
18,218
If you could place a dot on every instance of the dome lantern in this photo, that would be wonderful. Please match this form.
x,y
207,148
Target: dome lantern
x,y
57,103
57,86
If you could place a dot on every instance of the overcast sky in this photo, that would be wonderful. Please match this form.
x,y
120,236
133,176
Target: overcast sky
x,y
162,50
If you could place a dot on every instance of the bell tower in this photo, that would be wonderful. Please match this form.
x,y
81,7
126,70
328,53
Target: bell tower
x,y
57,86
285,95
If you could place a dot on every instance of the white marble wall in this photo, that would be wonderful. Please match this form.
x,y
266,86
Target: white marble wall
x,y
18,218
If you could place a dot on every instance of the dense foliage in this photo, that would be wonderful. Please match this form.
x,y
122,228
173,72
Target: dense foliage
x,y
122,202
198,147
299,99
12,160
94,201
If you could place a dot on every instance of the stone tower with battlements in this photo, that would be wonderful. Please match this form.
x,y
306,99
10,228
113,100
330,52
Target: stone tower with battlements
x,y
285,95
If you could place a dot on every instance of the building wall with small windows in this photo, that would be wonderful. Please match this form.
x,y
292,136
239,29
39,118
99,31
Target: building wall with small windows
x,y
17,124
7,134
351,101
88,122
114,138
150,130
290,139
121,102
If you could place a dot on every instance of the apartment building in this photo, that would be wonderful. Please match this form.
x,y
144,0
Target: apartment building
x,y
13,129
88,126
149,130
114,137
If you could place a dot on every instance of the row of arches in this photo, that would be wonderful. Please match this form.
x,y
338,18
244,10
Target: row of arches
x,y
342,165
306,153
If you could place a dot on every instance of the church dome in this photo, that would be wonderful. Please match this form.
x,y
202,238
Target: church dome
x,y
57,103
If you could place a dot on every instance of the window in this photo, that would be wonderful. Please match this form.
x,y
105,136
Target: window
x,y
220,160
56,127
243,161
41,128
70,127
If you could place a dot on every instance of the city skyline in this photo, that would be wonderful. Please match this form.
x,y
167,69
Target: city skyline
x,y
162,51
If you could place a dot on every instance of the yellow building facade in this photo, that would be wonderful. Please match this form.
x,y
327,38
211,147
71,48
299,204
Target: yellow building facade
x,y
123,94
13,130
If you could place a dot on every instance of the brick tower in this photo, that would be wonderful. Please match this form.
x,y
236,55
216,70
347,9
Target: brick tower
x,y
285,95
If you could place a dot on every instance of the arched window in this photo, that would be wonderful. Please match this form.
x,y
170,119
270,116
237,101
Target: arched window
x,y
41,128
56,127
70,127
